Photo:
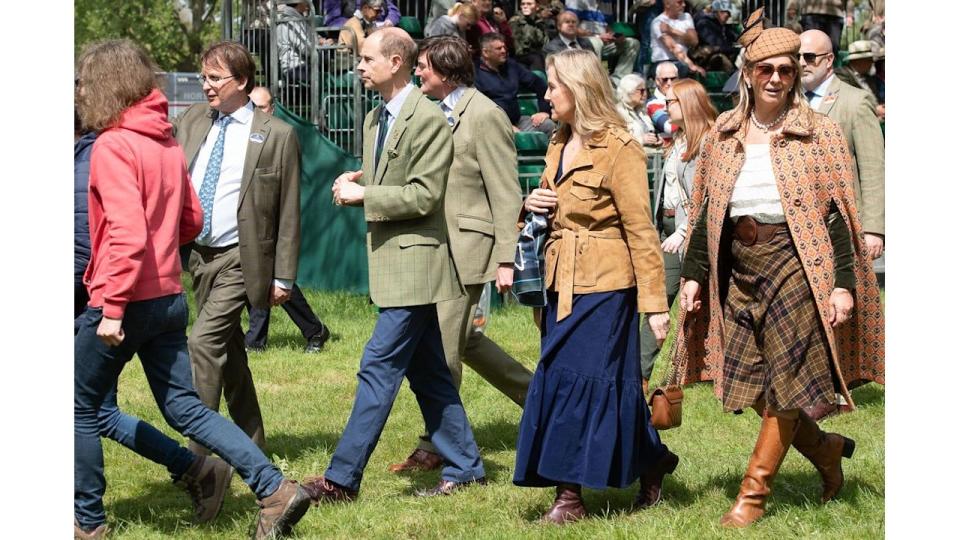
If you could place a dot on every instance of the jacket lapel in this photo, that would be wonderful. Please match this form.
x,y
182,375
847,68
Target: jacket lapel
x,y
462,106
828,101
399,126
259,125
195,137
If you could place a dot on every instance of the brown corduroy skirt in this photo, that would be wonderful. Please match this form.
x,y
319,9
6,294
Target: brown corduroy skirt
x,y
776,350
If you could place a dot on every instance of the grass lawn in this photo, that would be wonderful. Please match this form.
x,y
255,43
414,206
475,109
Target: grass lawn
x,y
306,400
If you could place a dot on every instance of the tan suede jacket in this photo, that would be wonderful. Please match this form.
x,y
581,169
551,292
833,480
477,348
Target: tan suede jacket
x,y
601,235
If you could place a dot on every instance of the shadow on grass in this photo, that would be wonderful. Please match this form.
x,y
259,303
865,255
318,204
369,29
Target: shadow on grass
x,y
613,502
422,480
166,509
797,489
292,447
294,340
869,394
498,435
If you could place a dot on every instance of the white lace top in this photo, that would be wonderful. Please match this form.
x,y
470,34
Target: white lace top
x,y
755,192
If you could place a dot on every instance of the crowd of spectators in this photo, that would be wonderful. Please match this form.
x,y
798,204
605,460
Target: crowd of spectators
x,y
651,45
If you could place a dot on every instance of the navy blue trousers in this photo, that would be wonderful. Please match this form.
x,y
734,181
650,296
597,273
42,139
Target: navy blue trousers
x,y
406,342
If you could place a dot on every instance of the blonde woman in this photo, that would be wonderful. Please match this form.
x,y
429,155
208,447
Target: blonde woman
x,y
690,110
585,422
460,18
792,305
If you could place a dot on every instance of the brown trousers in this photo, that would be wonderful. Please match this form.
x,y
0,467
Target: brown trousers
x,y
217,352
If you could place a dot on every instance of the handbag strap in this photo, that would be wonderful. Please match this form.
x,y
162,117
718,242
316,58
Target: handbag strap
x,y
673,374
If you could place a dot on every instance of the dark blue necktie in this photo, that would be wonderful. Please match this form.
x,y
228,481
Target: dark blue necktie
x,y
381,135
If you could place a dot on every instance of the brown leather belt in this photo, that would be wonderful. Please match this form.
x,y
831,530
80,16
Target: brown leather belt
x,y
748,231
669,212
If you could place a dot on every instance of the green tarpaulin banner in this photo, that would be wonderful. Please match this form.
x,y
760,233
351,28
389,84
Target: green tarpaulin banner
x,y
332,239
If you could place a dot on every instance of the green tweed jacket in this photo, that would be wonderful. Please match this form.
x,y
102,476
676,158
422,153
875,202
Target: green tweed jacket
x,y
483,193
852,108
410,263
268,213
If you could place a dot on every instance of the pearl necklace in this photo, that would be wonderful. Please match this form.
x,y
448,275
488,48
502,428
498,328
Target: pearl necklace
x,y
766,127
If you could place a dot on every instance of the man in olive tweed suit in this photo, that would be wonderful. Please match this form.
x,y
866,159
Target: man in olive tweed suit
x,y
406,156
481,205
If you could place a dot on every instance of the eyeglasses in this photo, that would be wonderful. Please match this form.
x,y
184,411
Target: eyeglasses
x,y
811,58
765,71
213,80
671,102
666,79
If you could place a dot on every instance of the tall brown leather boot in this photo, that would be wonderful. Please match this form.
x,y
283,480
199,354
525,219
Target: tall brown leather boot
x,y
825,451
776,433
567,507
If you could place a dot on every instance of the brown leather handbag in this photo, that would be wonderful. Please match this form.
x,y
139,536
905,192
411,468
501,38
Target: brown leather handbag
x,y
666,401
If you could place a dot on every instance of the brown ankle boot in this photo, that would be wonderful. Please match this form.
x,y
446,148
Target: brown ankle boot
x,y
825,451
567,507
776,433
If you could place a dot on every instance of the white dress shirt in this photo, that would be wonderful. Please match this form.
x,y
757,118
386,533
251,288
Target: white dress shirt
x,y
393,107
226,200
755,192
449,103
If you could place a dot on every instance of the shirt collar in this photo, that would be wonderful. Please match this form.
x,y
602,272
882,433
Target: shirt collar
x,y
822,89
395,104
242,115
567,42
454,97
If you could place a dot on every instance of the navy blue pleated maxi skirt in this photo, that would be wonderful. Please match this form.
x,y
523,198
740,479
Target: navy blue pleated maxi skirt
x,y
585,420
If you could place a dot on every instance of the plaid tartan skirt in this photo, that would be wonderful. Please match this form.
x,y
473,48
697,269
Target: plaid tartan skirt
x,y
776,349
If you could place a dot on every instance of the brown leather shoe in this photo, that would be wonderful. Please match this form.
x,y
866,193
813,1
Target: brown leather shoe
x,y
322,490
96,534
651,483
281,511
826,451
567,507
447,487
776,434
419,460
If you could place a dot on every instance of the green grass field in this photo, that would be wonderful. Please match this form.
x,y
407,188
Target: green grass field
x,y
306,400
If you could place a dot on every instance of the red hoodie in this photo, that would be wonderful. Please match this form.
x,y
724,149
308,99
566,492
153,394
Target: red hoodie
x,y
142,209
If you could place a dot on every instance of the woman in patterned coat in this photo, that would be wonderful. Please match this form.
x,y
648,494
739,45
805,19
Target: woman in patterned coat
x,y
793,307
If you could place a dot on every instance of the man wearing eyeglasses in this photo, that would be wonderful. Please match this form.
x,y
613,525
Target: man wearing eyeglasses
x,y
245,168
852,108
665,75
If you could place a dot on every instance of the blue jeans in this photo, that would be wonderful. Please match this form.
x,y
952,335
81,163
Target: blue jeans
x,y
155,330
130,431
406,342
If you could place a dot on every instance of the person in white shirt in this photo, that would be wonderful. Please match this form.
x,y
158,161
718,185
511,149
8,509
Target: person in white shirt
x,y
674,34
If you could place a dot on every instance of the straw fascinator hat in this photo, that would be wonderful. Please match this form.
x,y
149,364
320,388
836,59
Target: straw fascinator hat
x,y
759,43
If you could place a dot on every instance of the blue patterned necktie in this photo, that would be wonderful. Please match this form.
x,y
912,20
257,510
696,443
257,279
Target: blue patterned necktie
x,y
211,176
381,134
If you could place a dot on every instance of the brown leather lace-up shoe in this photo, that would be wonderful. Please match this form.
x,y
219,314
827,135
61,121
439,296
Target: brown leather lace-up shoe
x,y
567,507
206,481
322,490
419,460
447,487
651,483
281,511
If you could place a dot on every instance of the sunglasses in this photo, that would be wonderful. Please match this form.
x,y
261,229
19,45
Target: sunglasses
x,y
811,58
670,102
666,79
765,71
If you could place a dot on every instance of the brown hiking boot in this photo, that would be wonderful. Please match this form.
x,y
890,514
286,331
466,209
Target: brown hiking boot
x,y
419,460
826,451
281,511
206,481
776,434
567,507
100,532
